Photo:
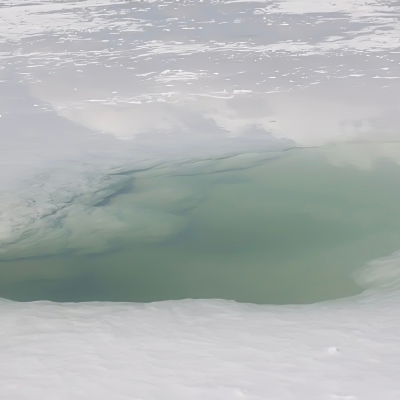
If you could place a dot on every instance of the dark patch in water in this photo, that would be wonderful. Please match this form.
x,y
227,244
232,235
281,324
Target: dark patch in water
x,y
124,190
83,287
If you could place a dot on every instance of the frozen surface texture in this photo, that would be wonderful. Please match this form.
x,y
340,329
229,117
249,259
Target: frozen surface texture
x,y
93,92
91,89
198,350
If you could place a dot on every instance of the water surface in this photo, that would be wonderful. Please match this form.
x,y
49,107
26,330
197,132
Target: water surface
x,y
292,230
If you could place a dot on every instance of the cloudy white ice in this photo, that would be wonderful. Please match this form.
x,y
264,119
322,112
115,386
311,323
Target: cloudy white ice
x,y
98,96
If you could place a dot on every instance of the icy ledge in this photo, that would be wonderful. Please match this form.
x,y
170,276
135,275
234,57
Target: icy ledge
x,y
198,349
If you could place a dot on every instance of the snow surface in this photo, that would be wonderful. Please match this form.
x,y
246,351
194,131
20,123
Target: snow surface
x,y
94,92
204,349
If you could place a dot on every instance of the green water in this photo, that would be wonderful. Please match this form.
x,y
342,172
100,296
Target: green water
x,y
293,230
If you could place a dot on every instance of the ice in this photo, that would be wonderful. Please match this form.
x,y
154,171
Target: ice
x,y
201,349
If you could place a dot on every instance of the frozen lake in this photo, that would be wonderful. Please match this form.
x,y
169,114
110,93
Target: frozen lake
x,y
292,230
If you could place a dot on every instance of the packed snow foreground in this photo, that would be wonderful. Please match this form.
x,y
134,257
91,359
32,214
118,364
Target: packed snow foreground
x,y
96,92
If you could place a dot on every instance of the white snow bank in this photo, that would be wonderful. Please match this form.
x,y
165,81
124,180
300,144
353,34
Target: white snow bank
x,y
346,349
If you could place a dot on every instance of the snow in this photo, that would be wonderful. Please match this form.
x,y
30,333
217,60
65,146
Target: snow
x,y
202,349
80,85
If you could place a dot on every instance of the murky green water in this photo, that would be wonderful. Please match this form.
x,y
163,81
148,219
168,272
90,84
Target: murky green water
x,y
292,230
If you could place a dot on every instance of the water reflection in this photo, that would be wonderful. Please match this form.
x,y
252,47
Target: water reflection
x,y
117,121
292,230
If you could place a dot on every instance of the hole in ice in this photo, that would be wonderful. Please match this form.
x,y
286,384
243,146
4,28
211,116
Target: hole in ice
x,y
292,230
